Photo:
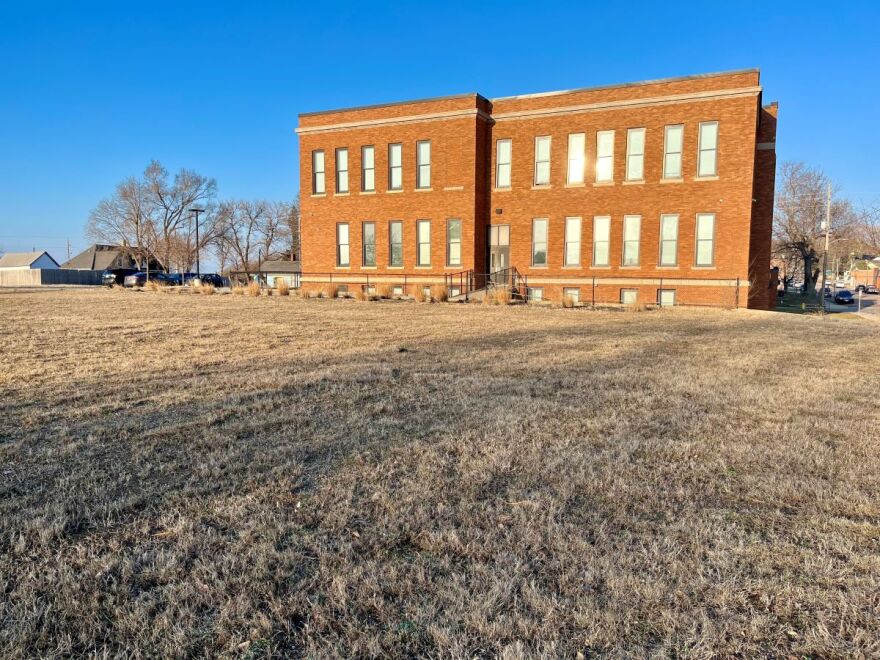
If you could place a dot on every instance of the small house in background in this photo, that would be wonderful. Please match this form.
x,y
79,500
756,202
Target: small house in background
x,y
271,272
27,261
100,257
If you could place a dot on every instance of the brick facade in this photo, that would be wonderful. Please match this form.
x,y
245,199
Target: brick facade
x,y
464,131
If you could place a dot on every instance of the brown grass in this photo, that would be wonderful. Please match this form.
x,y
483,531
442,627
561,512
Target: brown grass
x,y
206,289
385,291
497,296
637,307
330,291
254,289
439,293
214,476
153,285
419,294
238,290
568,302
282,288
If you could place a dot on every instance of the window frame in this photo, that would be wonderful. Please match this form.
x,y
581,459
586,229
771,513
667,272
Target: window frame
x,y
638,242
662,240
392,167
365,169
364,225
549,139
391,224
420,185
630,154
339,171
567,241
449,243
535,294
701,150
599,157
660,293
667,153
546,242
607,241
508,164
582,159
566,291
323,173
698,240
419,262
339,245
632,290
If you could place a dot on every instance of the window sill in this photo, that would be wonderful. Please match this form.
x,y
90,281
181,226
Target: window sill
x,y
341,194
599,267
318,195
507,189
542,186
667,267
603,184
341,267
367,192
395,267
424,190
448,267
578,267
637,267
399,190
533,267
704,268
706,178
678,180
428,267
640,182
575,185
368,267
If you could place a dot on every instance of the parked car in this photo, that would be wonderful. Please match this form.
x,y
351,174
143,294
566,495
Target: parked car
x,y
828,293
860,288
140,279
872,289
844,297
113,276
213,279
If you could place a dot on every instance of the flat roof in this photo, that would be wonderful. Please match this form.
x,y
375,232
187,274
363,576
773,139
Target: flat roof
x,y
696,76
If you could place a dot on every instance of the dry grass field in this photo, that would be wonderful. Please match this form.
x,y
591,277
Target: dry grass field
x,y
188,476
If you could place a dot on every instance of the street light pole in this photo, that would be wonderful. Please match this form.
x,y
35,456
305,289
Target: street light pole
x,y
827,228
196,212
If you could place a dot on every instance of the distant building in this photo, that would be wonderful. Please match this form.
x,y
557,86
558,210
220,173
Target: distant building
x,y
101,257
274,271
27,261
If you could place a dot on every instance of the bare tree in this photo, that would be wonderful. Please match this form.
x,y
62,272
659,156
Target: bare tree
x,y
249,230
869,230
124,219
800,212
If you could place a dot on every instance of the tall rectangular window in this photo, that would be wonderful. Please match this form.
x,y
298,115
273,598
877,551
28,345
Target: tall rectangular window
x,y
318,180
632,228
342,244
395,243
668,240
342,170
707,161
572,241
423,164
502,163
539,241
601,239
423,243
368,169
635,154
542,160
672,148
395,167
604,156
369,244
705,239
575,158
453,242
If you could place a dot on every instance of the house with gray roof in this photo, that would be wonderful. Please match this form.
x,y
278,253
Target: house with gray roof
x,y
27,261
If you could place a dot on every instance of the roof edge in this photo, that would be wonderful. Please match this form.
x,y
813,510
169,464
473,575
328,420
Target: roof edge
x,y
376,106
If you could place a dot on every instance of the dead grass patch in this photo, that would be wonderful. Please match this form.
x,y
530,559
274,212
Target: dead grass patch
x,y
282,288
254,289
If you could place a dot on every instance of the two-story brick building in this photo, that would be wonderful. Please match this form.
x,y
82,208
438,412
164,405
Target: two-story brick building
x,y
659,191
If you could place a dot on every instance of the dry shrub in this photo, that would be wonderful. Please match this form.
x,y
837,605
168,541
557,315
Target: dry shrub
x,y
330,291
238,290
360,294
385,291
253,289
153,285
497,296
419,295
206,289
282,288
440,293
636,307
567,302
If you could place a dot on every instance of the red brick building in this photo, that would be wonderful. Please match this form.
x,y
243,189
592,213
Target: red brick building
x,y
659,191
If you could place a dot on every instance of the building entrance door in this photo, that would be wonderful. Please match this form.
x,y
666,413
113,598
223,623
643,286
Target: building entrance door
x,y
499,248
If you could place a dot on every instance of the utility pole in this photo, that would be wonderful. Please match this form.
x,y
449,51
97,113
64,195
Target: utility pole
x,y
196,212
827,229
68,249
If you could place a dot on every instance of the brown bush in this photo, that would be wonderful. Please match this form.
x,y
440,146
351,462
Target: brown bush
x,y
238,290
385,291
282,288
637,307
206,289
153,285
361,294
419,294
330,291
568,302
440,293
254,289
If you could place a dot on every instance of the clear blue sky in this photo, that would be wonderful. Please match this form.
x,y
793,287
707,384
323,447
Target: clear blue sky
x,y
89,93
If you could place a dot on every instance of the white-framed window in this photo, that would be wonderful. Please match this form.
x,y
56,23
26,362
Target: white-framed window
x,y
574,293
503,154
369,244
601,240
668,240
666,297
707,159
635,154
576,158
453,242
632,229
629,296
536,294
426,292
423,164
397,290
395,243
672,150
572,242
542,160
604,156
454,291
539,241
423,243
342,244
342,291
368,168
318,174
395,167
705,239
342,170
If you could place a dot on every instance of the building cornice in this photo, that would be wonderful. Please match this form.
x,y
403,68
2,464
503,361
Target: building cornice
x,y
395,121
